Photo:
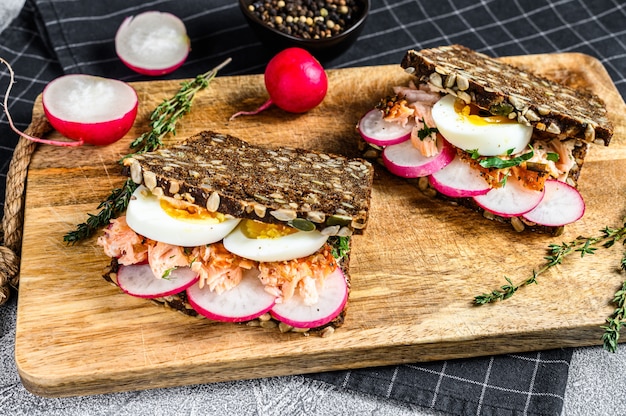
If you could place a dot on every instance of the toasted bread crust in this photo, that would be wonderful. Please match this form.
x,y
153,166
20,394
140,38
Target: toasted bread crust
x,y
300,187
504,89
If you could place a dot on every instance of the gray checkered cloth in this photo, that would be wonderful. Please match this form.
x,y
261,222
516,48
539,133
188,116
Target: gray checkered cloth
x,y
51,38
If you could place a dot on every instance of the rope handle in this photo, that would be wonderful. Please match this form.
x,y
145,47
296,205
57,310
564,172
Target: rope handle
x,y
11,229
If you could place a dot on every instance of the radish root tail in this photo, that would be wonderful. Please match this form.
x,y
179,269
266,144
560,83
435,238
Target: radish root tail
x,y
21,133
265,106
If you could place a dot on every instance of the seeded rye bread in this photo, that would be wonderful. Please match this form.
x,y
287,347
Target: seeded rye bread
x,y
504,89
223,173
303,188
554,110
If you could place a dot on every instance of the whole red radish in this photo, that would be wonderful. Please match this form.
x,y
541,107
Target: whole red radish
x,y
295,81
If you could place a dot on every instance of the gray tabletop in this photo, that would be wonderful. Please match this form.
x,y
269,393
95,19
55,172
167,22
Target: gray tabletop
x,y
595,381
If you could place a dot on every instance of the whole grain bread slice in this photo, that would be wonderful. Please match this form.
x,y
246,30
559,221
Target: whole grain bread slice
x,y
303,188
504,89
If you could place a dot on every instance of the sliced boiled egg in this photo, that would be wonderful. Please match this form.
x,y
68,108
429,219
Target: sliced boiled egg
x,y
272,242
488,136
160,220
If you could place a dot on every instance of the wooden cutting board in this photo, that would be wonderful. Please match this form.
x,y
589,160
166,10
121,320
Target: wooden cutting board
x,y
414,273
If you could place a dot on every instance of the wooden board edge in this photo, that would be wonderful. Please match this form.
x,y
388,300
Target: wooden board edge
x,y
52,386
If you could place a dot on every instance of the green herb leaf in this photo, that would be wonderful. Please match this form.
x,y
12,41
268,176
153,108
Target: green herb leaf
x,y
340,246
498,163
168,273
426,131
554,157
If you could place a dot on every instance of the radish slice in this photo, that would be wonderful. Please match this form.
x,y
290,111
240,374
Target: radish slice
x,y
139,280
152,43
403,159
511,200
375,130
459,180
91,109
561,205
332,299
246,301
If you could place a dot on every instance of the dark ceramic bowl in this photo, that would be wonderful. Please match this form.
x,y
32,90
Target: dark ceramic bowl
x,y
323,48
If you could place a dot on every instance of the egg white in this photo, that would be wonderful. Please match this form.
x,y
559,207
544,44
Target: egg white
x,y
488,139
288,247
146,217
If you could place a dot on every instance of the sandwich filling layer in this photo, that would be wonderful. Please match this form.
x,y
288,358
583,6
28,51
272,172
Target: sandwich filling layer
x,y
218,269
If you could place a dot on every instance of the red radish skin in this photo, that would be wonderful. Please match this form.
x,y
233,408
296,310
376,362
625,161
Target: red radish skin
x,y
295,81
152,43
404,160
99,134
459,180
332,299
138,280
246,301
561,205
90,109
510,200
375,130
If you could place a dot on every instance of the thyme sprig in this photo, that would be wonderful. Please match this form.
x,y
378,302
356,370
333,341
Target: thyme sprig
x,y
616,320
610,337
165,116
163,121
556,255
112,207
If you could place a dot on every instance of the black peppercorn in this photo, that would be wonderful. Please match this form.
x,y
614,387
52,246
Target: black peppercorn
x,y
307,19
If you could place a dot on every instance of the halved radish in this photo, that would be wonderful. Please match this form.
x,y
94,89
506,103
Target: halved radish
x,y
90,109
404,159
510,200
459,180
152,43
332,299
561,205
375,130
139,280
246,301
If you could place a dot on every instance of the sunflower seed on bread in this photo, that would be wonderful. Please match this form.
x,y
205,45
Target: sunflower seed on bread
x,y
303,188
503,89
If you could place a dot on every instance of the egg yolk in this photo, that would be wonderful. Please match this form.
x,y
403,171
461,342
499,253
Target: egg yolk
x,y
191,212
471,113
256,229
